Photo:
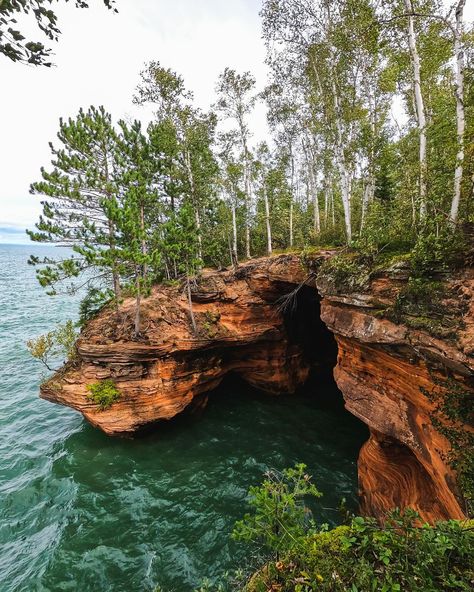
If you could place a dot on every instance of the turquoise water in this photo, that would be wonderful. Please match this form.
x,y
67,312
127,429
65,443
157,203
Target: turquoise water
x,y
83,512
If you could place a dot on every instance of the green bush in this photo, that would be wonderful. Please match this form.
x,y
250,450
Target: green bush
x,y
437,250
403,555
93,303
279,518
346,271
58,344
103,393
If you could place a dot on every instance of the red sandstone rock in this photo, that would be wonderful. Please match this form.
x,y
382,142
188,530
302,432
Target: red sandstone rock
x,y
383,369
239,331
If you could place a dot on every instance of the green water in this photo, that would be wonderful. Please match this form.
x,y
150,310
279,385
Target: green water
x,y
83,512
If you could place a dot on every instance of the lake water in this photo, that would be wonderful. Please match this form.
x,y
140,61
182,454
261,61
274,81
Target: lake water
x,y
83,512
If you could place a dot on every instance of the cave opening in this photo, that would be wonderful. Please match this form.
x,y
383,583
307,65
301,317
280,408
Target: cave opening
x,y
304,327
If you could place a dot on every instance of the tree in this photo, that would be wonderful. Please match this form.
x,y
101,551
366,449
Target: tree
x,y
236,100
419,104
82,198
141,184
13,43
231,179
263,166
189,133
181,243
460,110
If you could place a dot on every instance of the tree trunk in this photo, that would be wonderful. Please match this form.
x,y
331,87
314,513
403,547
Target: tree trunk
x,y
198,226
313,189
365,203
115,274
267,220
291,221
194,200
235,260
420,107
190,302
460,115
326,203
341,163
247,215
137,301
143,240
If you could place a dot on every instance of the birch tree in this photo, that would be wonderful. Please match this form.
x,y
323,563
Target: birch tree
x,y
236,100
419,105
460,111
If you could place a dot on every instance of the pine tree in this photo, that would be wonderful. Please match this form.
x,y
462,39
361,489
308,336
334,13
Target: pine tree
x,y
82,196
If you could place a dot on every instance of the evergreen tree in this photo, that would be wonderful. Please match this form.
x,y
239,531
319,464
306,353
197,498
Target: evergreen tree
x,y
82,197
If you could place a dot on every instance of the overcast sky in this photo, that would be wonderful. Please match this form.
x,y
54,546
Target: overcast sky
x,y
98,60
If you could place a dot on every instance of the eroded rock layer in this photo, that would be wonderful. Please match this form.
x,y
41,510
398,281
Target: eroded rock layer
x,y
162,372
386,370
388,374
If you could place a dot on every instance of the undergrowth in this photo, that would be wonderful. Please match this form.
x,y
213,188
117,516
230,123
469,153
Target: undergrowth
x,y
402,555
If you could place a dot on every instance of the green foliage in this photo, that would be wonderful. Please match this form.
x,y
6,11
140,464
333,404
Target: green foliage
x,y
420,304
363,556
438,249
279,518
93,303
14,45
54,345
347,271
103,393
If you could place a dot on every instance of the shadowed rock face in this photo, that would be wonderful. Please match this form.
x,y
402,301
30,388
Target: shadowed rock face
x,y
383,369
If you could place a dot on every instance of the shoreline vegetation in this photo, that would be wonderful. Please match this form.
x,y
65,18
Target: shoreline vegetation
x,y
142,205
297,555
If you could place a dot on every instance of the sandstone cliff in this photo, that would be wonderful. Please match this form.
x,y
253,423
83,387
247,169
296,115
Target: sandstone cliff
x,y
385,369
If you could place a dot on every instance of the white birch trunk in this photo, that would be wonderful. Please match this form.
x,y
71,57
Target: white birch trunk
x,y
194,201
291,221
420,107
313,189
365,203
267,221
341,164
326,203
234,236
247,218
460,115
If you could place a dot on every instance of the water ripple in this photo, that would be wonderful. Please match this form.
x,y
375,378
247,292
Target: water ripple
x,y
80,511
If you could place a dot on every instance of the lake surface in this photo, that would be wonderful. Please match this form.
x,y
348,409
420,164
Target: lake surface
x,y
83,512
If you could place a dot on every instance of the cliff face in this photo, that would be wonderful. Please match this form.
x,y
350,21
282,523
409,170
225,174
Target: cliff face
x,y
162,373
385,370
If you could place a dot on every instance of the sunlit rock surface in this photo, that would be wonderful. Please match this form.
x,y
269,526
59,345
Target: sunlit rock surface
x,y
383,369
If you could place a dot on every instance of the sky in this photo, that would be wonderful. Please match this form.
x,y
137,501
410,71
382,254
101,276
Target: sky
x,y
97,62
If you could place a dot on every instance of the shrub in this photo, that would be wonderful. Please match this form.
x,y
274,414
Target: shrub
x,y
103,393
60,343
93,303
363,556
279,518
347,271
